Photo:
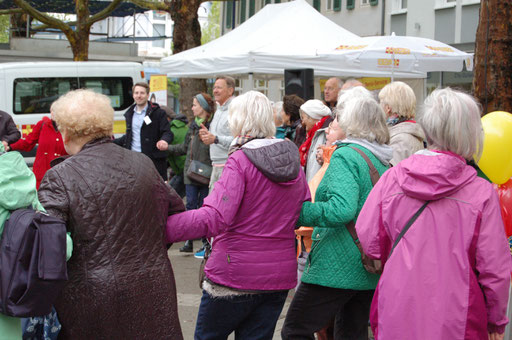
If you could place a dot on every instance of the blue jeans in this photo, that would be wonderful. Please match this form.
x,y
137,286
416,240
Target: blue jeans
x,y
176,182
195,195
251,316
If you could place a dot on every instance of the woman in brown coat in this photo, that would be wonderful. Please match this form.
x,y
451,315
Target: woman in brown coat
x,y
121,284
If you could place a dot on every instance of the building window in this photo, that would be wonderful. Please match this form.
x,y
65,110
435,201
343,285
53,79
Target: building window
x,y
350,4
337,5
399,5
229,14
374,2
328,5
364,2
158,31
261,86
317,4
252,7
243,10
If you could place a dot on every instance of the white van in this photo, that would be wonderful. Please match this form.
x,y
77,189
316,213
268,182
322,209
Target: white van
x,y
27,89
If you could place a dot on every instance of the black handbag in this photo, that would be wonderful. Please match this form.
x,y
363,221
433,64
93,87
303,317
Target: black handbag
x,y
199,172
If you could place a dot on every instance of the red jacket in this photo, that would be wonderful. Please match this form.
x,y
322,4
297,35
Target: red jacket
x,y
50,146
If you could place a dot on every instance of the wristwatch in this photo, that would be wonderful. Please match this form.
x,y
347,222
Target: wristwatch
x,y
216,140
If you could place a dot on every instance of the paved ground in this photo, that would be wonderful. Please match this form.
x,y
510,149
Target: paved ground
x,y
186,272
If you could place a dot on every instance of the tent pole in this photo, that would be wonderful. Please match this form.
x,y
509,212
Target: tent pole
x,y
251,82
393,67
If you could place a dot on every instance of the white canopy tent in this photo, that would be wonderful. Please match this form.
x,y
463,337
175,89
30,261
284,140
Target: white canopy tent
x,y
278,37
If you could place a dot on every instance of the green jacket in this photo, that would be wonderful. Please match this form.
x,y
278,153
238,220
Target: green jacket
x,y
17,190
179,129
334,260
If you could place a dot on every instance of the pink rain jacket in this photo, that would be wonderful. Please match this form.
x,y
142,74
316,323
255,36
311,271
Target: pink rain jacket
x,y
449,276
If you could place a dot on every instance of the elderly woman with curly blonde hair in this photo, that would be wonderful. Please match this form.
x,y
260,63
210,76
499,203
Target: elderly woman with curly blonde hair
x,y
115,205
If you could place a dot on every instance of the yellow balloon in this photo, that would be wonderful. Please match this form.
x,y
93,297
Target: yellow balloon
x,y
496,160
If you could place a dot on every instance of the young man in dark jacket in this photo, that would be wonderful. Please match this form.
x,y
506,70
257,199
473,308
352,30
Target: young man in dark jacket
x,y
147,129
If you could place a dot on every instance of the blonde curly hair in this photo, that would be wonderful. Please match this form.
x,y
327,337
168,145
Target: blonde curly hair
x,y
84,113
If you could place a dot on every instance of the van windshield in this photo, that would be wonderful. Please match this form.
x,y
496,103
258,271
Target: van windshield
x,y
36,95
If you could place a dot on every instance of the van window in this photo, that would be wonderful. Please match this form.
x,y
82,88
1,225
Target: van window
x,y
118,89
36,95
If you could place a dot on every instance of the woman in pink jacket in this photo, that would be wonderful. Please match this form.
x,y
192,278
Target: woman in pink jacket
x,y
251,213
448,276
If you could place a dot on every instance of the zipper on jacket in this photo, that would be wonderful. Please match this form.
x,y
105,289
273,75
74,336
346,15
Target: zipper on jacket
x,y
229,259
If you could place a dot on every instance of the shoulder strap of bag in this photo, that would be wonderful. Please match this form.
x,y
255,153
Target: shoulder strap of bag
x,y
407,226
374,174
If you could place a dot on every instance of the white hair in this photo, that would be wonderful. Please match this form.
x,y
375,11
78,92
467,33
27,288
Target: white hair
x,y
251,114
400,98
451,121
278,106
353,92
363,118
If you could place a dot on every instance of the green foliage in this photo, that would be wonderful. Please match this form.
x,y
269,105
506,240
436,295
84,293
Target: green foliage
x,y
211,30
173,87
4,28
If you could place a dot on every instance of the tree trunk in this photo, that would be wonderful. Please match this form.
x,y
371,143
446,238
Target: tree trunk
x,y
79,43
187,35
492,80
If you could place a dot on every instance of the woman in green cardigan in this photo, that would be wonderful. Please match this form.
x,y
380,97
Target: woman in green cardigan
x,y
335,284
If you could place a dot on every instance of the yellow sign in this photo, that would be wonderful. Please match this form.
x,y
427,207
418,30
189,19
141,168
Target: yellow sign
x,y
158,83
119,127
373,84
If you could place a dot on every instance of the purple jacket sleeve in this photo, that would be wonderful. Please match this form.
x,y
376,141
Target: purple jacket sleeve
x,y
369,223
493,264
218,211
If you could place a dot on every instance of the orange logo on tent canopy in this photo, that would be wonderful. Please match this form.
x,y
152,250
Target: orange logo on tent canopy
x,y
388,62
397,50
351,47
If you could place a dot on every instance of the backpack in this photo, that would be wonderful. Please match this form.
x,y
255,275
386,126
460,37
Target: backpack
x,y
32,263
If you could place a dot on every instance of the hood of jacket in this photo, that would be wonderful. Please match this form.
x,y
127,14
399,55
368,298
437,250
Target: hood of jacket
x,y
180,120
429,175
277,159
411,128
383,152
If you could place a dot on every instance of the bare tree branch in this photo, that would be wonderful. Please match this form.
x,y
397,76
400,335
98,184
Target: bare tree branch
x,y
152,5
103,13
46,19
10,11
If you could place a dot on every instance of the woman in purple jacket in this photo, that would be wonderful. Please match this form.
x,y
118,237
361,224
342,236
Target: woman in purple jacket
x,y
448,277
251,213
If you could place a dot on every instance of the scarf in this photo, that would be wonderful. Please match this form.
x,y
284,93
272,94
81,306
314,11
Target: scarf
x,y
304,148
239,141
394,119
199,121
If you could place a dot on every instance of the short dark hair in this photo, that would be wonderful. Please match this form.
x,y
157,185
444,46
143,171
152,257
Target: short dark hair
x,y
141,84
291,106
230,82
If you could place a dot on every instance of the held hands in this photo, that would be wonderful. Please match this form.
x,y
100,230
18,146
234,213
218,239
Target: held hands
x,y
6,145
162,145
496,336
320,154
205,135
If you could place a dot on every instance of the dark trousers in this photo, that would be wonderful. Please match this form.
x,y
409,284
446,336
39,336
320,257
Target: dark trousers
x,y
251,316
161,166
176,182
314,306
195,195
